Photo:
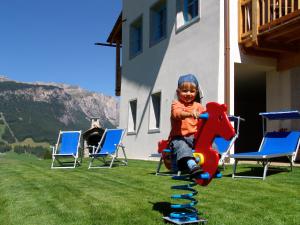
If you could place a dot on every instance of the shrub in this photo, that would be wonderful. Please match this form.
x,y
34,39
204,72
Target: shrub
x,y
4,147
39,151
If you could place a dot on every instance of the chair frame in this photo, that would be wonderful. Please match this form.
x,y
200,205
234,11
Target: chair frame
x,y
56,155
114,157
225,154
170,173
266,159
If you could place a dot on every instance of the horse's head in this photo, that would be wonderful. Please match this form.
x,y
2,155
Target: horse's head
x,y
218,121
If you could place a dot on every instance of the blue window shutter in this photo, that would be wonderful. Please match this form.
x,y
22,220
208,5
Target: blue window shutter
x,y
139,39
157,25
185,11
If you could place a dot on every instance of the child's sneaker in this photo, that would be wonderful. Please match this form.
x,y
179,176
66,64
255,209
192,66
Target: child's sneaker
x,y
195,172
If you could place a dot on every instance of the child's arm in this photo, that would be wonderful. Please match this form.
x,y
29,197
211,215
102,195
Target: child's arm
x,y
178,112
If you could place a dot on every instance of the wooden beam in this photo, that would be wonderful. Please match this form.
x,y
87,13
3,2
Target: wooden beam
x,y
263,12
274,10
280,8
258,52
240,25
294,38
288,61
275,47
269,11
280,33
244,2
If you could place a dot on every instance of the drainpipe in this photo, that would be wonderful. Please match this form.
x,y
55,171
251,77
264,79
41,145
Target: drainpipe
x,y
118,70
227,55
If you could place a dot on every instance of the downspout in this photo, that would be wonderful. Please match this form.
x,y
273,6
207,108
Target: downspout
x,y
227,55
118,70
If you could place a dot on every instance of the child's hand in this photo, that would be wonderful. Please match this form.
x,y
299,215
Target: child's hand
x,y
195,114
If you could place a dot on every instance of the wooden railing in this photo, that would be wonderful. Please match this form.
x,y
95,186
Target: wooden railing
x,y
257,15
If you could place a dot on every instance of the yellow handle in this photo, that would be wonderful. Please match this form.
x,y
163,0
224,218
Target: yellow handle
x,y
199,158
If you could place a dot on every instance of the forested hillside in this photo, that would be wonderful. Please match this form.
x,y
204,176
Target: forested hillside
x,y
38,111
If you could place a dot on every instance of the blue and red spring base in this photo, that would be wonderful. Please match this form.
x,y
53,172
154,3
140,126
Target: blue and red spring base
x,y
186,213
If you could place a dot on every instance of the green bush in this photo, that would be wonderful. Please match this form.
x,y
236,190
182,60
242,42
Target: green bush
x,y
4,147
38,151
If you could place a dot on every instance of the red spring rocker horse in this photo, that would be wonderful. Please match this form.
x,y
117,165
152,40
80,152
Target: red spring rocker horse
x,y
211,124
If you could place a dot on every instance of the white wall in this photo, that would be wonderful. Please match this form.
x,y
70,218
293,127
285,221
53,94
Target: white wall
x,y
192,50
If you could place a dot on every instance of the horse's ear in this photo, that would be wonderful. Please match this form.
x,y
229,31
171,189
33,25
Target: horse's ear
x,y
224,107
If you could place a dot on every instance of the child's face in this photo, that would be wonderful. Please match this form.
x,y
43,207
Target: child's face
x,y
187,92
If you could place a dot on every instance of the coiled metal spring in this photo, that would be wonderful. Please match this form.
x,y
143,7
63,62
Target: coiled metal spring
x,y
187,213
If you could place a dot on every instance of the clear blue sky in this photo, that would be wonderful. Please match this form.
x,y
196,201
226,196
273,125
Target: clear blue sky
x,y
53,41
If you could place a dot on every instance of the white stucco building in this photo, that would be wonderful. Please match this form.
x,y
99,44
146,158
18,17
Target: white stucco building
x,y
252,65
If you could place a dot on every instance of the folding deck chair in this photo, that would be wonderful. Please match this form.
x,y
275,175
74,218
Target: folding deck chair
x,y
273,145
223,146
108,148
67,147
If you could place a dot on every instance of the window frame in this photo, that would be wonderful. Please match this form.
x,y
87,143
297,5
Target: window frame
x,y
151,128
160,5
132,120
133,28
184,11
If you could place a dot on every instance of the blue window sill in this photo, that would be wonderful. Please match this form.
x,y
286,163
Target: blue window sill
x,y
188,24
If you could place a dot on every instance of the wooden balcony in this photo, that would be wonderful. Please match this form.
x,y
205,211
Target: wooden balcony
x,y
271,28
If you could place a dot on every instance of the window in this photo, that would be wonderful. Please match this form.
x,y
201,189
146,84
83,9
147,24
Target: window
x,y
158,22
154,117
136,37
132,116
187,12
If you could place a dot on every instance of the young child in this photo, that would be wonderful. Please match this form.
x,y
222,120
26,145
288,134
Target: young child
x,y
184,119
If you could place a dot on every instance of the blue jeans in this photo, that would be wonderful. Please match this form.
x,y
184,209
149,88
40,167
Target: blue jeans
x,y
182,146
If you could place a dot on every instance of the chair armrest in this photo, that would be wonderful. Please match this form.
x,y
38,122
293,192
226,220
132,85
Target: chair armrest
x,y
53,148
155,155
121,145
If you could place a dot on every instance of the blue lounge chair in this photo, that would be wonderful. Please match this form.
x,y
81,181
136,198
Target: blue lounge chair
x,y
108,148
67,147
223,146
273,145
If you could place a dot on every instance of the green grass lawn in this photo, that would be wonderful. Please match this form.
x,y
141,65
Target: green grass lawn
x,y
32,193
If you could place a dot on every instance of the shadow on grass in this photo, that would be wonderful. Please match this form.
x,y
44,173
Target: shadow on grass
x,y
165,208
258,171
165,173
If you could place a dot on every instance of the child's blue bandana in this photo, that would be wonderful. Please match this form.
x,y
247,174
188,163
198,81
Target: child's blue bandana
x,y
188,78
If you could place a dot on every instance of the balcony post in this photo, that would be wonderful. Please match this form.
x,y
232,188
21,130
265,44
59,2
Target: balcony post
x,y
240,20
255,20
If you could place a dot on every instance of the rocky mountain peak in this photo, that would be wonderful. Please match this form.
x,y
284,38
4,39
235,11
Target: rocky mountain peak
x,y
67,104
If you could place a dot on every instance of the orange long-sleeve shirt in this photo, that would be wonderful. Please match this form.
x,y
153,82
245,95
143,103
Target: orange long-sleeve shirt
x,y
186,126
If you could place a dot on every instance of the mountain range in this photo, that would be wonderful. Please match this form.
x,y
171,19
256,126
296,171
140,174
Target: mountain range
x,y
39,110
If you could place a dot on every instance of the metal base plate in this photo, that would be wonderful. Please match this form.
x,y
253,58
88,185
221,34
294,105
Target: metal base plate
x,y
200,220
